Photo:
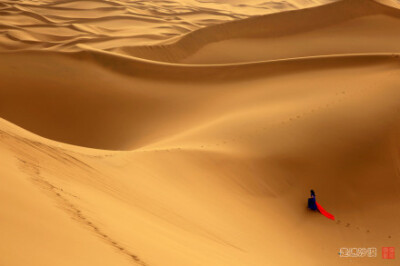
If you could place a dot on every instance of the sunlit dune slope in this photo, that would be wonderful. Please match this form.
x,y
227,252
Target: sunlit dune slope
x,y
230,189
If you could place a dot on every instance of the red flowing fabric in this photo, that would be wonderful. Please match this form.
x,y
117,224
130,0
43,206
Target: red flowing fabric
x,y
325,213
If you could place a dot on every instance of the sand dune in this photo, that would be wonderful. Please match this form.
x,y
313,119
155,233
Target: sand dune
x,y
151,133
336,28
60,25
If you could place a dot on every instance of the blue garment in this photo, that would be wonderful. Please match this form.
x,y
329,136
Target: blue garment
x,y
311,204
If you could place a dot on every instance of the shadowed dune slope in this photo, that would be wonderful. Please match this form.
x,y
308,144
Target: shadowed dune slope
x,y
119,103
351,26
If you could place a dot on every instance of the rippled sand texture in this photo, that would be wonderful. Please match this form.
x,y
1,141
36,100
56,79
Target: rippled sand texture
x,y
61,25
190,132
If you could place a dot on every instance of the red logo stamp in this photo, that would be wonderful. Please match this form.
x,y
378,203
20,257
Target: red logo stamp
x,y
388,253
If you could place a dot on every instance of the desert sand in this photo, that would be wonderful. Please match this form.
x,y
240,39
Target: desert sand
x,y
187,133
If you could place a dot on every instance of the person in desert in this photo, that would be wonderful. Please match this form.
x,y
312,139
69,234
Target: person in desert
x,y
312,205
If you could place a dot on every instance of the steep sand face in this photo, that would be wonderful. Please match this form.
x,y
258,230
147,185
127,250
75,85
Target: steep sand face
x,y
199,150
372,34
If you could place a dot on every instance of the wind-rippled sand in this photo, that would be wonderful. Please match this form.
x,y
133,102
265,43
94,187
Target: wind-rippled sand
x,y
61,25
190,132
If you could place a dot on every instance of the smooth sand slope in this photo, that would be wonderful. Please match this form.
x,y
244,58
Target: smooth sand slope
x,y
201,149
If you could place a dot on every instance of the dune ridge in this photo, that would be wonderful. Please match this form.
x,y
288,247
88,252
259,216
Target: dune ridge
x,y
151,133
266,26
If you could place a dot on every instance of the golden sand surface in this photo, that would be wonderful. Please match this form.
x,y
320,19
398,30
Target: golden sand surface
x,y
188,133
